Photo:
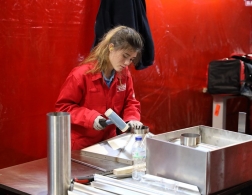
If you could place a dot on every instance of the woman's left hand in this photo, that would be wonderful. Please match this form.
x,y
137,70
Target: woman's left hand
x,y
135,124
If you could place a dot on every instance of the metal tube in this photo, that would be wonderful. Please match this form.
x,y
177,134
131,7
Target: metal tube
x,y
59,153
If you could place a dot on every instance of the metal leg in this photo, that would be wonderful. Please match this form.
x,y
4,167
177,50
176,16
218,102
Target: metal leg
x,y
242,122
219,111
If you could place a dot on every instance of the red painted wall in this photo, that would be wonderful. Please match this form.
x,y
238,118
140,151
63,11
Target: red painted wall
x,y
187,36
41,41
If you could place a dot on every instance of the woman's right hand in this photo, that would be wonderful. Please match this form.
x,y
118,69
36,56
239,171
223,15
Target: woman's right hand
x,y
97,125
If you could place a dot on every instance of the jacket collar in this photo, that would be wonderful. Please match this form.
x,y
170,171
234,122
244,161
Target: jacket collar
x,y
98,75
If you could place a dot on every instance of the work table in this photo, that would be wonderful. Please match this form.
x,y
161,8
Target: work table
x,y
31,178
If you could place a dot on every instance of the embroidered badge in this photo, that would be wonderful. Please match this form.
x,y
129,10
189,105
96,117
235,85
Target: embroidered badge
x,y
121,87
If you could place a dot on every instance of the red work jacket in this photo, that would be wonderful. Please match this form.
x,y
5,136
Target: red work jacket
x,y
85,96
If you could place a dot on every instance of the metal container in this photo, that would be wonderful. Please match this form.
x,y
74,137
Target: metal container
x,y
223,158
59,153
190,139
144,130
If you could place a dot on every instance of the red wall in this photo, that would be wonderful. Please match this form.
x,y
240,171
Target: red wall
x,y
187,36
41,41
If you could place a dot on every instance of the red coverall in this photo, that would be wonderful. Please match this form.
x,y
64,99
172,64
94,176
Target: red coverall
x,y
85,96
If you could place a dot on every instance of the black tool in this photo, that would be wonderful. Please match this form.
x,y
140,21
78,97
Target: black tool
x,y
104,123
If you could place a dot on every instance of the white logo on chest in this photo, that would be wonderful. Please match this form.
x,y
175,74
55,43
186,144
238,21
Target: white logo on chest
x,y
121,87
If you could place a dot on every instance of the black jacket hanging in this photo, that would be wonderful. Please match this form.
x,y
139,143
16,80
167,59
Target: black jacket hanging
x,y
131,13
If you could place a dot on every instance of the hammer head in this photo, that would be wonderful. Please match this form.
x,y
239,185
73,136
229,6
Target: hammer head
x,y
116,120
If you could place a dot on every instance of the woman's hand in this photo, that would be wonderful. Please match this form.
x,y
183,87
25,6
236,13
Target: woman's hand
x,y
97,125
135,124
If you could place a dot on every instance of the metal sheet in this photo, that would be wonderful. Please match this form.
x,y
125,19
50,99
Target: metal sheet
x,y
135,186
85,189
121,154
184,164
96,163
114,189
138,187
225,165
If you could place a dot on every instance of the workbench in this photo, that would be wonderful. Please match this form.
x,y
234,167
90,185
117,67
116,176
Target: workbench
x,y
31,179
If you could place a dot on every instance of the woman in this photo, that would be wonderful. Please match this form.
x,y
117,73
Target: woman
x,y
101,82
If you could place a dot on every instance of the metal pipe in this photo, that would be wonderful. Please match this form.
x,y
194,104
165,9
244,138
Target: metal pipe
x,y
59,153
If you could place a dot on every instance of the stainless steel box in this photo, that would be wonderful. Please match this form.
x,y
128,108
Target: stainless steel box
x,y
223,158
